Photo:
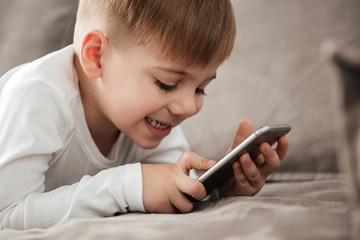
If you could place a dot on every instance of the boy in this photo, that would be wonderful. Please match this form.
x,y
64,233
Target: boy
x,y
81,128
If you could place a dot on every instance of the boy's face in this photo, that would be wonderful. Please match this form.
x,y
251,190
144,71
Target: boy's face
x,y
145,97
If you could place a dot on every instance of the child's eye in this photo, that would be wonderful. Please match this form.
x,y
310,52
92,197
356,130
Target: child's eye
x,y
165,87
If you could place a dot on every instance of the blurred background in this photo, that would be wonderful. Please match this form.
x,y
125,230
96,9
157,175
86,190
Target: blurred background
x,y
277,74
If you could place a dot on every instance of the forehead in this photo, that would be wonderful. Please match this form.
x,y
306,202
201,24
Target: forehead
x,y
206,73
142,55
177,67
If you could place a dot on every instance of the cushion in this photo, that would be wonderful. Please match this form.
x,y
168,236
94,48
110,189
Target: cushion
x,y
31,29
347,63
276,75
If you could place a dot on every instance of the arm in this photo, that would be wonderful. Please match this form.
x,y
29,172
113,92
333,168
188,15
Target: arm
x,y
30,135
102,195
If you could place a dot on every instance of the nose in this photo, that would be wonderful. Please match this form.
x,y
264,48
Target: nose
x,y
186,106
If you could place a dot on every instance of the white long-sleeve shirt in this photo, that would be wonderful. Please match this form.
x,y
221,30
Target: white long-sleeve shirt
x,y
50,168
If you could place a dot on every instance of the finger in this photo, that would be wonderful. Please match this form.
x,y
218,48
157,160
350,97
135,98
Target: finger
x,y
181,203
164,206
244,130
272,160
250,170
259,161
191,187
190,160
243,185
168,209
239,175
282,147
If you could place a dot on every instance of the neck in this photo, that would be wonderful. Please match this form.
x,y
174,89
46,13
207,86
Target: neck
x,y
103,132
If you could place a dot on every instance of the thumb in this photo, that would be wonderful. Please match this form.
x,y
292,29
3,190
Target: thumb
x,y
190,160
244,130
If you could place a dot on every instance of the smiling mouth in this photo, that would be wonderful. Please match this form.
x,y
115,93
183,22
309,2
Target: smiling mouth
x,y
156,124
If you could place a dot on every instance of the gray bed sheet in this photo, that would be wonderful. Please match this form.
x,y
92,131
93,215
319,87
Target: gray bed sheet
x,y
313,207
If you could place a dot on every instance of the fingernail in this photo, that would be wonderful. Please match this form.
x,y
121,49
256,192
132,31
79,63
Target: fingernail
x,y
211,163
248,162
266,148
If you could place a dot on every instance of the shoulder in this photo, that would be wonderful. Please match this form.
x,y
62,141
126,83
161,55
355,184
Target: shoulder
x,y
53,72
42,91
48,82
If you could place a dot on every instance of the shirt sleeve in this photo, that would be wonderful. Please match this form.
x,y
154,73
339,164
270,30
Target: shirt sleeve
x,y
101,195
34,124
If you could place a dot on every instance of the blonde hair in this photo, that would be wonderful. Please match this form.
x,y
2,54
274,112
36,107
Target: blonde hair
x,y
187,31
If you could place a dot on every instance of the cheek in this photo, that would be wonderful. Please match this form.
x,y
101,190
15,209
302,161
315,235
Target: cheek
x,y
142,100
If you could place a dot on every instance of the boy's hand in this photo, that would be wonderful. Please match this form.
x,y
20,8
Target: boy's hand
x,y
250,174
164,185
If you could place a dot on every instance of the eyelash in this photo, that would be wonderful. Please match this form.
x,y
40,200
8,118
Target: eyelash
x,y
200,91
165,87
168,88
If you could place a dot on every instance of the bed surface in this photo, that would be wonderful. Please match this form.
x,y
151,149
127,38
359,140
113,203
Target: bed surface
x,y
312,208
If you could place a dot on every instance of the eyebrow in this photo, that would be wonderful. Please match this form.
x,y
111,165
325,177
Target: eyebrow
x,y
181,72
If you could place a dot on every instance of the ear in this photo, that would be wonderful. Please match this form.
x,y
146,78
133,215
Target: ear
x,y
92,49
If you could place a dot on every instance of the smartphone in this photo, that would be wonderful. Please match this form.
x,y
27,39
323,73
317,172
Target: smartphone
x,y
222,171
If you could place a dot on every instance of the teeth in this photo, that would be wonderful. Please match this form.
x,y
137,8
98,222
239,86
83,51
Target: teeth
x,y
156,124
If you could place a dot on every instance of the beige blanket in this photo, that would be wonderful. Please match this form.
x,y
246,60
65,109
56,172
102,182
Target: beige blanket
x,y
302,209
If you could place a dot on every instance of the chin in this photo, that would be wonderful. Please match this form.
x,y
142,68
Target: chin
x,y
148,144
